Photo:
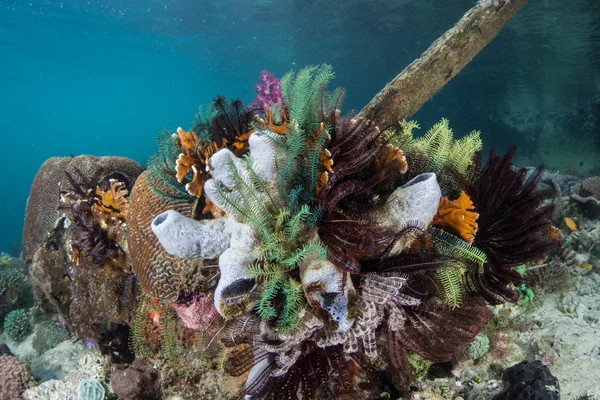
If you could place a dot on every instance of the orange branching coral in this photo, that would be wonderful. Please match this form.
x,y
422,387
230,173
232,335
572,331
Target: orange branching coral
x,y
457,216
111,204
392,158
554,234
212,209
268,122
239,147
196,155
325,161
194,158
74,254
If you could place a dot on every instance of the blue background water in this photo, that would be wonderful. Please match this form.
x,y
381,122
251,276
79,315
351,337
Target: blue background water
x,y
102,77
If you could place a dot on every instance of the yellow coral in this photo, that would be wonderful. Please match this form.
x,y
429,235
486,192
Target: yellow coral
x,y
392,157
111,204
212,209
268,122
194,158
196,155
457,217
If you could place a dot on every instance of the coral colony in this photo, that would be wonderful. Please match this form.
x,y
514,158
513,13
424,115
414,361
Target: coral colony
x,y
312,250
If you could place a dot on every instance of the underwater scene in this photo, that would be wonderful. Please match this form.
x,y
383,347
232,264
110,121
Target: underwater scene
x,y
300,200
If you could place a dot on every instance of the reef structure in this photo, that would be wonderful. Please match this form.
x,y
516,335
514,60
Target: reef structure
x,y
339,253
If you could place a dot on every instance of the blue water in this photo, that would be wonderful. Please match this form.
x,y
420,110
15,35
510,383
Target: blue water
x,y
102,77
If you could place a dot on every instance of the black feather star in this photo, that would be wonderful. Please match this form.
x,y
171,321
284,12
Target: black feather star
x,y
513,227
232,119
349,237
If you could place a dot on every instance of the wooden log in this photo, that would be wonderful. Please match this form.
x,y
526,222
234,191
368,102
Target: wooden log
x,y
444,59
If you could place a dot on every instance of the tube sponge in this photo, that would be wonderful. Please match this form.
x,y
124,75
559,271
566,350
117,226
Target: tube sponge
x,y
185,237
416,202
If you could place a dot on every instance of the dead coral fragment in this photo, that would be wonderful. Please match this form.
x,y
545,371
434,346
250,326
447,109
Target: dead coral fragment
x,y
457,217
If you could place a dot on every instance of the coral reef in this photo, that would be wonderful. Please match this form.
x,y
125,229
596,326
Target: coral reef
x,y
80,270
16,378
305,253
323,245
17,325
47,335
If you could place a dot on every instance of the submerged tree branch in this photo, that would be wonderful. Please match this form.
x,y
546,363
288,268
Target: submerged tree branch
x,y
444,59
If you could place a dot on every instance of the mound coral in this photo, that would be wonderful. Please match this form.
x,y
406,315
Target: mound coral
x,y
101,289
16,378
587,194
159,273
47,335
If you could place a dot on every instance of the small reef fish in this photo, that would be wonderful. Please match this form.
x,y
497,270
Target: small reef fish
x,y
585,266
570,224
5,261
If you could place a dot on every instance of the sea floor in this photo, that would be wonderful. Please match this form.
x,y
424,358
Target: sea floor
x,y
561,329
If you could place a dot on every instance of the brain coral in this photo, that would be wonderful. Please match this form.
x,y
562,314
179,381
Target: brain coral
x,y
41,213
159,273
16,378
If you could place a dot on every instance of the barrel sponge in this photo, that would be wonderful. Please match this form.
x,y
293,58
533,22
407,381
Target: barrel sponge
x,y
42,206
16,378
160,274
